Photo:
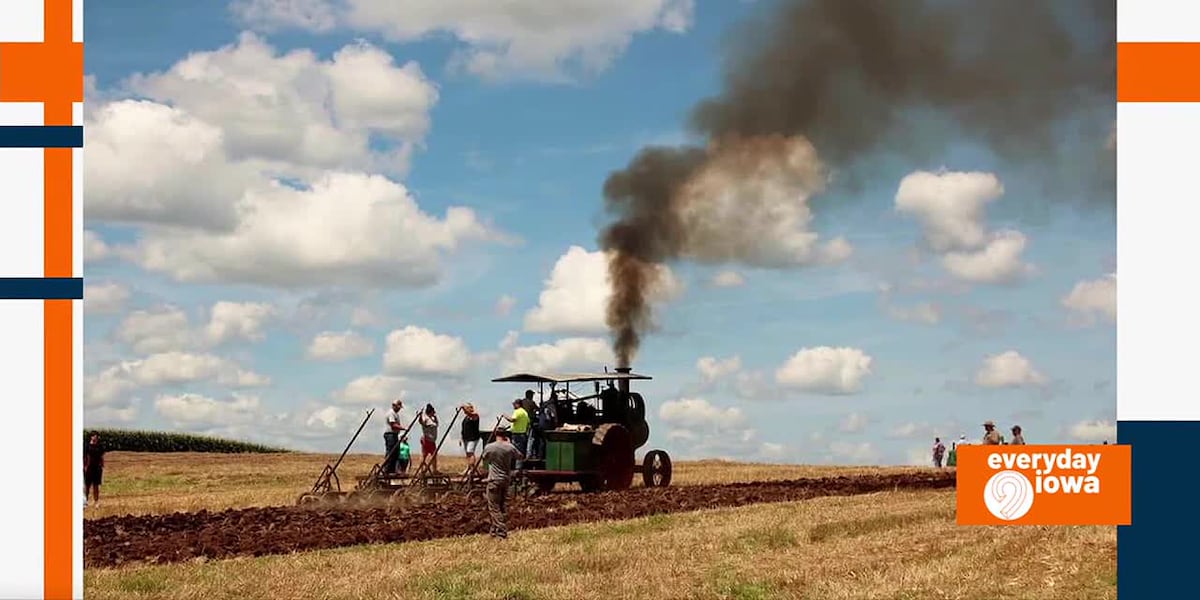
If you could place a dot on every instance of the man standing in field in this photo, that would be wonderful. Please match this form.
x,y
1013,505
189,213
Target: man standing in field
x,y
500,457
939,450
391,435
991,437
93,469
520,428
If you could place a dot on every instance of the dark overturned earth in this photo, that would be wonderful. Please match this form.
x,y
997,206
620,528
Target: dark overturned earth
x,y
114,541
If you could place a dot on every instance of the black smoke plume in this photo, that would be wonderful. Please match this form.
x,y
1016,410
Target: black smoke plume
x,y
1033,80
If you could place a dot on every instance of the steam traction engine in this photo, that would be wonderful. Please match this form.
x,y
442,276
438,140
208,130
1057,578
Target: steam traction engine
x,y
595,436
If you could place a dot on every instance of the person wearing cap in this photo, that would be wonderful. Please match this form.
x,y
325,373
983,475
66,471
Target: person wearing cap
x,y
991,437
501,457
470,434
395,427
1017,438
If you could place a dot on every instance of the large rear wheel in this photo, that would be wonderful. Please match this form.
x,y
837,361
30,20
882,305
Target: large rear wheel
x,y
614,456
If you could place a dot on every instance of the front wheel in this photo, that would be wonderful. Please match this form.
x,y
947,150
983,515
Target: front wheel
x,y
656,469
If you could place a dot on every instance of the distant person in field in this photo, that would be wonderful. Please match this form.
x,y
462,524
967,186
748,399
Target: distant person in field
x,y
429,433
939,451
520,428
395,428
470,434
501,457
991,437
1017,438
93,469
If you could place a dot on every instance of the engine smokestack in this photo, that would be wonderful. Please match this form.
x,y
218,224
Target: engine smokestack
x,y
623,384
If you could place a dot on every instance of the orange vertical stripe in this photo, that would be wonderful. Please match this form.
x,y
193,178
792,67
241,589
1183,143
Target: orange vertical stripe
x,y
59,25
60,476
1158,72
64,60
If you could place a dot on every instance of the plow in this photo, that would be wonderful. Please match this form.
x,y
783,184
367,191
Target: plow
x,y
592,442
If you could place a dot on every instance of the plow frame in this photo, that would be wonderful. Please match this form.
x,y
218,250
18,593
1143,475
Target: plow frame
x,y
328,479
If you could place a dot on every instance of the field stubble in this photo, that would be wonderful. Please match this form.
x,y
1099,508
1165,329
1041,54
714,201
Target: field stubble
x,y
889,545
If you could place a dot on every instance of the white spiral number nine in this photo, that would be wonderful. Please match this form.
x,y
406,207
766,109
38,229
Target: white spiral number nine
x,y
1008,495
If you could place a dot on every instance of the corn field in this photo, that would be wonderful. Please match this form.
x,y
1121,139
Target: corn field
x,y
124,440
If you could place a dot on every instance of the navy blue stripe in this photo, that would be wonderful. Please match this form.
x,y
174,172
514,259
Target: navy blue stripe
x,y
41,288
1156,555
41,136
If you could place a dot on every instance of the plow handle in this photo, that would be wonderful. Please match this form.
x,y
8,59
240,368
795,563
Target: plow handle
x,y
330,472
356,433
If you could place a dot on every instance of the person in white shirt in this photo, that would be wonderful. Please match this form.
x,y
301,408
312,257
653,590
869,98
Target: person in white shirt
x,y
395,428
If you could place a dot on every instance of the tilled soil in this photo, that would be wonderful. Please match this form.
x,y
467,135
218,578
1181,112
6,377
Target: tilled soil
x,y
114,541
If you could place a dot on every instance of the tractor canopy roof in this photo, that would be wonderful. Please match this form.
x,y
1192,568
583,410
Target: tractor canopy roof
x,y
565,377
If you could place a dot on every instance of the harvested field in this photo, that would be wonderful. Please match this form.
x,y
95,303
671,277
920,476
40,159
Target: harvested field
x,y
113,541
142,484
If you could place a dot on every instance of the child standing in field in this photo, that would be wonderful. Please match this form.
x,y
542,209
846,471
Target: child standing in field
x,y
402,455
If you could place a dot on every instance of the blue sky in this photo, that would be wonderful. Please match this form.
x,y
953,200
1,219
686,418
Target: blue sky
x,y
440,165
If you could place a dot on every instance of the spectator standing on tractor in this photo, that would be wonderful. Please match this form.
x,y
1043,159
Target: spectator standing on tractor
x,y
1017,438
93,469
547,420
470,434
429,433
939,450
520,428
395,428
991,437
531,409
500,457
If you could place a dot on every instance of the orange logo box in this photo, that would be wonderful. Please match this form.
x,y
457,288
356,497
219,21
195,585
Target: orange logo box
x,y
1044,485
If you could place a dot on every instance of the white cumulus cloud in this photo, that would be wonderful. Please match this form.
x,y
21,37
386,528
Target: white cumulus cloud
x,y
1092,298
418,351
197,412
512,39
700,416
566,354
712,368
166,368
825,370
238,320
1007,370
349,229
372,389
950,207
336,346
158,329
575,297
